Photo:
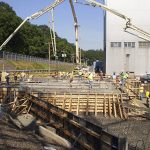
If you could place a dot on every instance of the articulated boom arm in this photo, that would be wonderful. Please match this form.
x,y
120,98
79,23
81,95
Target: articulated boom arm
x,y
139,32
34,16
78,57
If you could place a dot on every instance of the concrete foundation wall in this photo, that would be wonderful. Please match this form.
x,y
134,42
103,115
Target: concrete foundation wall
x,y
119,59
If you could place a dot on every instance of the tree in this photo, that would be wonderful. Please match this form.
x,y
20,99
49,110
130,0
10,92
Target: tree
x,y
93,55
33,39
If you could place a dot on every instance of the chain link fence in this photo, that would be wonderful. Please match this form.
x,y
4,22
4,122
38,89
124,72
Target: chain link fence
x,y
21,57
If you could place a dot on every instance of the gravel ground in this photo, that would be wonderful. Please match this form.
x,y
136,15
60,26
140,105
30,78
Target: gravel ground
x,y
135,129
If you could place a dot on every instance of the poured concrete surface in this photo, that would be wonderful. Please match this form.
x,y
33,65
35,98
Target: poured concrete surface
x,y
77,86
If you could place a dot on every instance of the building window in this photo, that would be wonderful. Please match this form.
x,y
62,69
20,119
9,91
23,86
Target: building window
x,y
115,44
129,44
144,44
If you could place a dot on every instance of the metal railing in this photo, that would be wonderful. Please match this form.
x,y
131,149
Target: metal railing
x,y
21,57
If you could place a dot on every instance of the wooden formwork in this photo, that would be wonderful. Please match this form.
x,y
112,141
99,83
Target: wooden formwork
x,y
108,104
132,87
81,133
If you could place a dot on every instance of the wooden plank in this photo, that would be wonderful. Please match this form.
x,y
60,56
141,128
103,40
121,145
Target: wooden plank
x,y
77,112
114,107
74,110
87,106
96,104
91,96
109,106
123,109
64,99
70,104
119,108
104,105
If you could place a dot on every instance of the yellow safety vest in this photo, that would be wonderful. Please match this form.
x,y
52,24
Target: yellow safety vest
x,y
147,93
125,76
90,77
80,73
141,89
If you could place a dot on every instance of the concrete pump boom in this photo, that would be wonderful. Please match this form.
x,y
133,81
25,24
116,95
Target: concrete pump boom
x,y
78,57
140,33
34,16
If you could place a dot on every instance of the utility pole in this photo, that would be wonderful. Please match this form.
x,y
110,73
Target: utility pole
x,y
49,51
80,55
49,56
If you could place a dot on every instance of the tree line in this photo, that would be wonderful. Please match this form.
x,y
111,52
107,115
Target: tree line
x,y
33,39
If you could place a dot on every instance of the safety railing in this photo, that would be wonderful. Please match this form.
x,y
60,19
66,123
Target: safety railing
x,y
21,57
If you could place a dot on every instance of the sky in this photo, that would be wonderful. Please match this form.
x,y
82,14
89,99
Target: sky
x,y
90,20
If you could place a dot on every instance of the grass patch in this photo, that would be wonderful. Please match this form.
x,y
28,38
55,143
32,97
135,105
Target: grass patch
x,y
24,65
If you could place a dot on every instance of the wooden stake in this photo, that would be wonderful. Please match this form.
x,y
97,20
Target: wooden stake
x,y
78,105
29,108
120,112
123,109
70,103
63,104
96,104
109,106
87,105
104,105
114,106
14,103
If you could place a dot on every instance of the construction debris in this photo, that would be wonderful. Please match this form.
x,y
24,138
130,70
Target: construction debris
x,y
23,121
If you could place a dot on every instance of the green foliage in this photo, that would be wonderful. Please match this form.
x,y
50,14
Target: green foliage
x,y
30,39
92,55
33,39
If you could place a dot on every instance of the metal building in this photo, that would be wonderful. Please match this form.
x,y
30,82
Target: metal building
x,y
124,51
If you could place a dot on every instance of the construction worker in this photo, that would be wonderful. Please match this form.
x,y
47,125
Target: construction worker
x,y
15,77
7,79
23,75
101,75
71,76
122,79
141,92
147,93
90,80
114,77
80,75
